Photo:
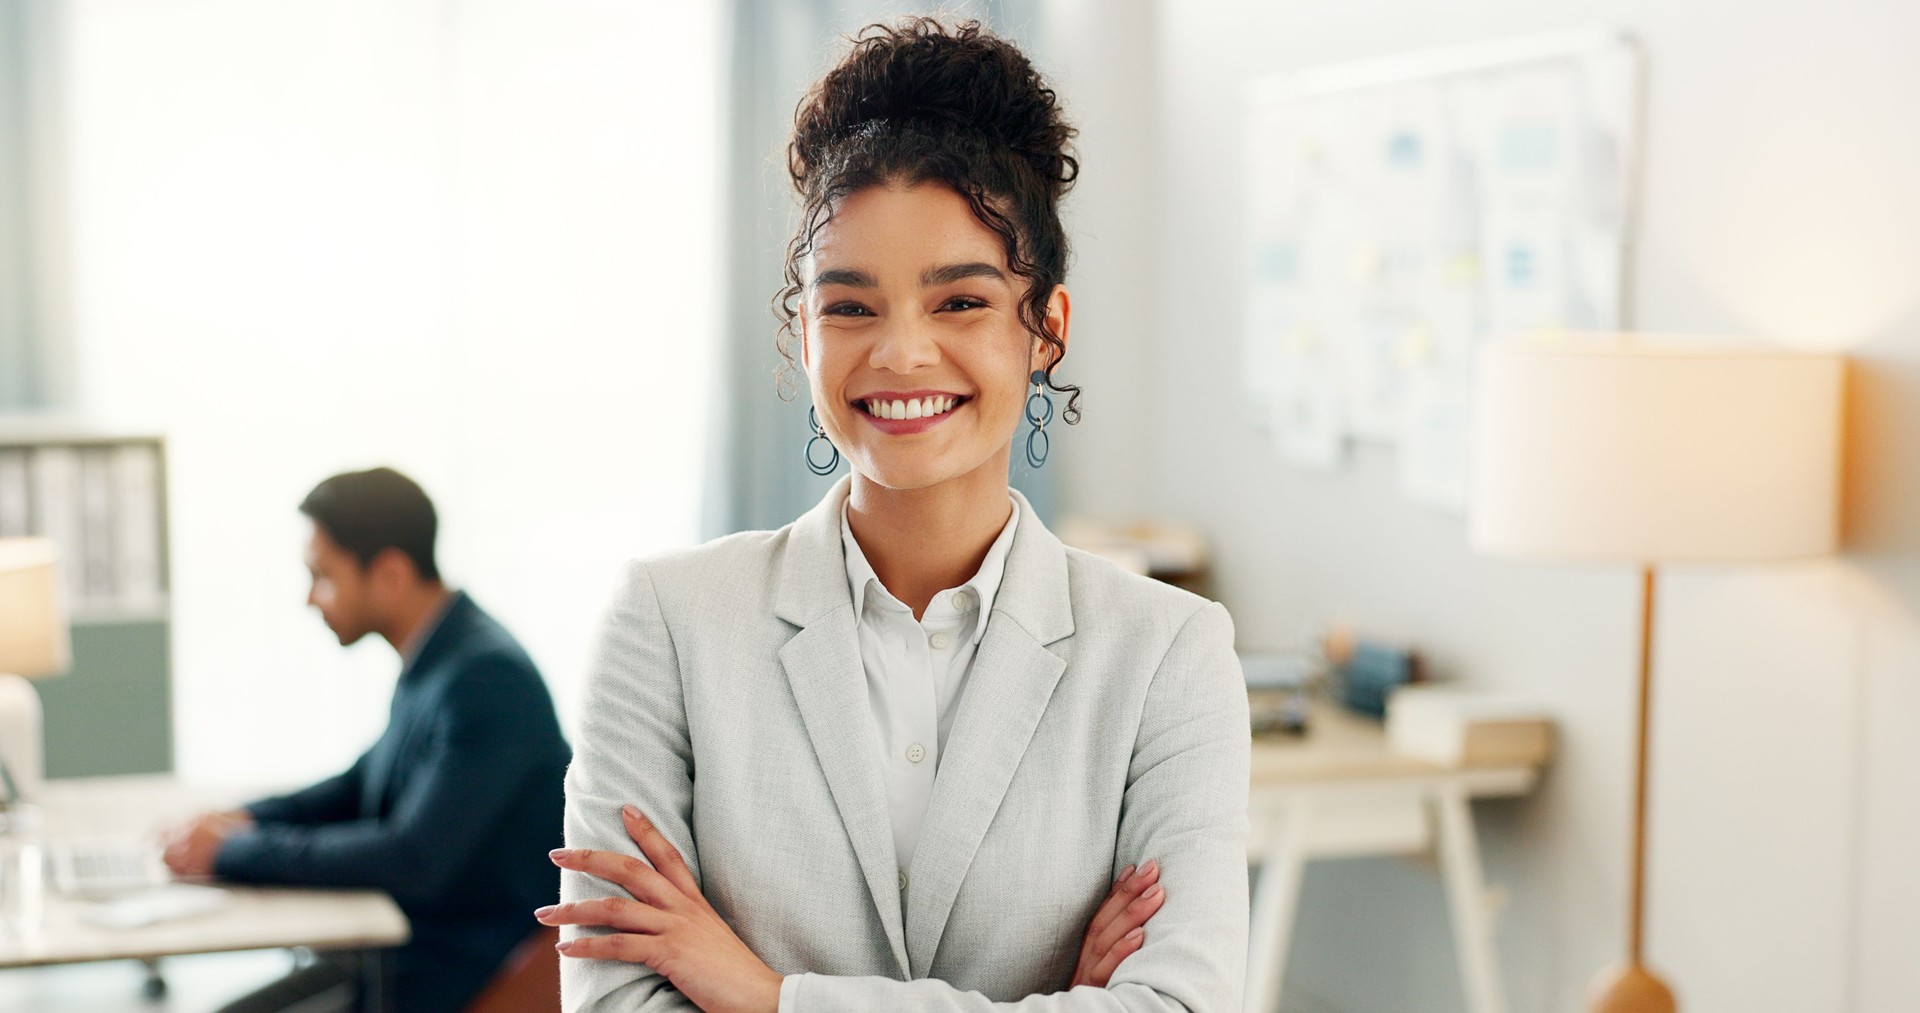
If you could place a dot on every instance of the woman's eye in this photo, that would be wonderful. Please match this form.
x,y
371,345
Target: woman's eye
x,y
963,302
847,309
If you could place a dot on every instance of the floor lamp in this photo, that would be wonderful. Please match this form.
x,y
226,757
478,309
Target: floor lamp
x,y
1651,451
33,642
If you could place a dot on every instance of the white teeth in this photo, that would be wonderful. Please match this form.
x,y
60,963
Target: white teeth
x,y
916,408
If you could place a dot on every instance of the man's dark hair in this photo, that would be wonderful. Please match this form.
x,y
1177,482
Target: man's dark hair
x,y
365,512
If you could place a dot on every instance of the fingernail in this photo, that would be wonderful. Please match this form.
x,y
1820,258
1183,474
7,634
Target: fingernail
x,y
1150,868
1135,935
564,947
1126,873
631,813
1154,894
559,854
545,911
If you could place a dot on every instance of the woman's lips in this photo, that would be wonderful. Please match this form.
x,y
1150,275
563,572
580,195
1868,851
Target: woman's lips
x,y
904,426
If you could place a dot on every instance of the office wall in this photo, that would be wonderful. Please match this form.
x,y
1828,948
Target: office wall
x,y
471,240
1778,203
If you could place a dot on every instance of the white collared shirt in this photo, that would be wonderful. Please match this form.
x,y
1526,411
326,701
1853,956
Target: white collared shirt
x,y
916,671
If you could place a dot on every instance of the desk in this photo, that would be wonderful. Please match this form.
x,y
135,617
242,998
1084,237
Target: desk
x,y
254,918
1339,791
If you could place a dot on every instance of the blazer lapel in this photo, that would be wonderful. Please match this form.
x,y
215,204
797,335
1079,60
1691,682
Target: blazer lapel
x,y
1012,679
823,667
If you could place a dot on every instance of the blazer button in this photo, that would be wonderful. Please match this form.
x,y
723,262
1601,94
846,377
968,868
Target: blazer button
x,y
903,881
916,753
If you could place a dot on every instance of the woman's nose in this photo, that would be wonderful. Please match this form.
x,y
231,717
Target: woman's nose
x,y
905,346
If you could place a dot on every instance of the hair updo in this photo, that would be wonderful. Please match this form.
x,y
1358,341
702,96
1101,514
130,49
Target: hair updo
x,y
916,102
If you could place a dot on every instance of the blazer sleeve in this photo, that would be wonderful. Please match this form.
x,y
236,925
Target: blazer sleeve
x,y
329,801
633,748
473,766
1186,806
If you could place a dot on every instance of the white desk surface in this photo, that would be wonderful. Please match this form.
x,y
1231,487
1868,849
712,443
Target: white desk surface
x,y
253,918
1346,750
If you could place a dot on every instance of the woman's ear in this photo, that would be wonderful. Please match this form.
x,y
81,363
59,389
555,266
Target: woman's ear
x,y
1059,316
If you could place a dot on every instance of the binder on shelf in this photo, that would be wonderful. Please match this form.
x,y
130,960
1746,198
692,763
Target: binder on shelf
x,y
55,495
136,476
101,500
95,572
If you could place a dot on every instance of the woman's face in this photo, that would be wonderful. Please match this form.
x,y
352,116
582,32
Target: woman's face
x,y
911,335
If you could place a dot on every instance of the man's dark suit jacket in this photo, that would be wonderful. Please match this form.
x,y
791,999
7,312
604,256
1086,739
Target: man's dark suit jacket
x,y
452,812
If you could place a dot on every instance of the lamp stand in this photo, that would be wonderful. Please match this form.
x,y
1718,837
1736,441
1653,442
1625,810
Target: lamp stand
x,y
1630,987
21,753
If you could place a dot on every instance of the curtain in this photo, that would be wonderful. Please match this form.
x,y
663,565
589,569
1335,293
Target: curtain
x,y
33,322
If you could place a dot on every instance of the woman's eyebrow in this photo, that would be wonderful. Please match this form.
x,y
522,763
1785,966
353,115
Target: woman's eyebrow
x,y
950,273
844,276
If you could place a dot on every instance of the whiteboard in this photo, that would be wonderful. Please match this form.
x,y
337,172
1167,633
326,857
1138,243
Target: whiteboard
x,y
1401,211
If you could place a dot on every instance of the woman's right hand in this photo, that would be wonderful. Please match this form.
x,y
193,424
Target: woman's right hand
x,y
1117,928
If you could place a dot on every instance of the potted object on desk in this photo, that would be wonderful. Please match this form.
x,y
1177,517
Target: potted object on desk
x,y
1365,671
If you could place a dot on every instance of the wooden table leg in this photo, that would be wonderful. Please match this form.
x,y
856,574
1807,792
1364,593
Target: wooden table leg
x,y
1467,902
1276,897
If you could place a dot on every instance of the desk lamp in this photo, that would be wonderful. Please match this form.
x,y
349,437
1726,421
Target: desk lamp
x,y
1649,451
33,643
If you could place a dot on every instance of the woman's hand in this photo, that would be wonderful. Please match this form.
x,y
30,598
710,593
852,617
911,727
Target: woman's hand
x,y
1117,928
667,925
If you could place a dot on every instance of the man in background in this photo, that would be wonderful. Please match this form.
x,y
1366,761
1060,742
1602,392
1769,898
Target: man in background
x,y
453,810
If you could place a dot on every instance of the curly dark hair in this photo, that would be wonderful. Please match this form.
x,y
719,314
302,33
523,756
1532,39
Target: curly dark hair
x,y
917,102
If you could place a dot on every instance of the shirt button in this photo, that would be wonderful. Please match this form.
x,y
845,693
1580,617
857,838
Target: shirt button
x,y
939,641
963,600
903,881
916,753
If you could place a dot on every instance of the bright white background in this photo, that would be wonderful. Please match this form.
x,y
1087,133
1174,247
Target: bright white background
x,y
474,240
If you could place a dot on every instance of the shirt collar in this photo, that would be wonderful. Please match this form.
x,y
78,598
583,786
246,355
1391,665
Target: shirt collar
x,y
984,584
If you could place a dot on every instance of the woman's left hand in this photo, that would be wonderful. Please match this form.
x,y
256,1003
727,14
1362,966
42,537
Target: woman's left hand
x,y
664,923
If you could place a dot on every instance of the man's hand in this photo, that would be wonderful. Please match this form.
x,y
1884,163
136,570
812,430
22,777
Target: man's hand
x,y
666,925
192,847
1118,928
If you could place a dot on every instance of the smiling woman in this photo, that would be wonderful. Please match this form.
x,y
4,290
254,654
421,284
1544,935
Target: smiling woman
x,y
944,762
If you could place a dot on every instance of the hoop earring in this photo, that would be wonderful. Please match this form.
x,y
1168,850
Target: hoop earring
x,y
819,437
1038,442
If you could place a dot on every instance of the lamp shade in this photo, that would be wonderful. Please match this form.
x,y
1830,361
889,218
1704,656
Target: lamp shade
x,y
33,624
1643,449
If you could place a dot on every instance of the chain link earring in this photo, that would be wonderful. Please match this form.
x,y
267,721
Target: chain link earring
x,y
1038,416
819,437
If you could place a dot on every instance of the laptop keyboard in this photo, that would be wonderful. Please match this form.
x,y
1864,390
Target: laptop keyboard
x,y
106,866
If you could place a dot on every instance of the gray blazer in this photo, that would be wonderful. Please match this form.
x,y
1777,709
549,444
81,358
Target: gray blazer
x,y
1104,723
